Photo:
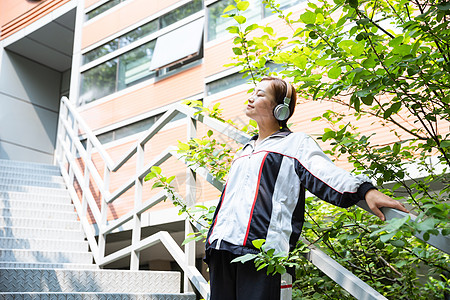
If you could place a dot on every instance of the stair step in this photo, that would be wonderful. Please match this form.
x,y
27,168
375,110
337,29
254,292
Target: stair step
x,y
27,164
30,182
32,256
40,223
30,170
36,205
25,265
40,233
37,214
95,281
11,195
44,244
29,176
33,189
97,296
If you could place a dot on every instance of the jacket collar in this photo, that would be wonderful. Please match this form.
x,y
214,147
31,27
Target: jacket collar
x,y
283,132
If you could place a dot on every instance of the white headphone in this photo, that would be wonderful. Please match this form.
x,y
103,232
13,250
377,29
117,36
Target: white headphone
x,y
282,111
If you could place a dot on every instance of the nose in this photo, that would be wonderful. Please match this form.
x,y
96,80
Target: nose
x,y
251,99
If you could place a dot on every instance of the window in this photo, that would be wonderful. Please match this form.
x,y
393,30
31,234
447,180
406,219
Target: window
x,y
133,128
138,33
178,45
217,25
134,66
116,74
225,83
144,30
181,13
100,51
157,57
102,8
98,81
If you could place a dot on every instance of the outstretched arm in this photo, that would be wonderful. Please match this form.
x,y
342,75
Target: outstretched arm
x,y
376,200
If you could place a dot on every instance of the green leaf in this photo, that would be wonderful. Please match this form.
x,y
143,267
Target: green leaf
x,y
252,27
444,6
156,169
258,243
397,243
369,62
243,5
335,72
353,3
240,19
237,51
426,225
233,29
157,185
169,180
308,17
209,133
300,61
183,146
396,149
245,258
386,237
229,8
150,176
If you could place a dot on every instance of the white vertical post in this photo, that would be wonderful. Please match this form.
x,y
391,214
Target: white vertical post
x,y
58,157
73,150
76,55
189,248
104,214
85,184
136,233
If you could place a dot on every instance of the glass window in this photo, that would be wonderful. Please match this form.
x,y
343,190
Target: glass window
x,y
102,80
98,81
133,128
102,8
144,30
217,25
100,51
138,33
225,83
134,66
180,44
181,12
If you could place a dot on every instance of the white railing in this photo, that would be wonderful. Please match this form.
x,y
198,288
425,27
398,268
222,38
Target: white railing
x,y
70,152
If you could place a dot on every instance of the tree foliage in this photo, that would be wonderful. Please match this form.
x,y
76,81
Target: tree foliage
x,y
389,60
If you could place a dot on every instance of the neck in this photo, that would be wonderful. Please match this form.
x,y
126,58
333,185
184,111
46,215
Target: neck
x,y
266,131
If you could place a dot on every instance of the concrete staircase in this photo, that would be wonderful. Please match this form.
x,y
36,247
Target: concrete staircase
x,y
43,252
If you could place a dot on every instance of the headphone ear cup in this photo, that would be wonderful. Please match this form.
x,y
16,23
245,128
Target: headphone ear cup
x,y
281,112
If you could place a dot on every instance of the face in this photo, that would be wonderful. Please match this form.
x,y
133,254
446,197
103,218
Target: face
x,y
261,103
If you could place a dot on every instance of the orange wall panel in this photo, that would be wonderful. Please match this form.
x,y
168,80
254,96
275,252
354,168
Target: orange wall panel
x,y
16,15
129,14
159,143
162,92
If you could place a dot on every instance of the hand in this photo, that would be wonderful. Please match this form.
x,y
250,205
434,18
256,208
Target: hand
x,y
376,200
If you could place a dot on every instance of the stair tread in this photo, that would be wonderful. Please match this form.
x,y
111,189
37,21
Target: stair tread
x,y
46,266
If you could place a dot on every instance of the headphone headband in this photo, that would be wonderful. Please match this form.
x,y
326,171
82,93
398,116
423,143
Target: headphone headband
x,y
282,111
288,92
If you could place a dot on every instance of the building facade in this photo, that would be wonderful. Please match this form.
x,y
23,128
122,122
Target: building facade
x,y
122,63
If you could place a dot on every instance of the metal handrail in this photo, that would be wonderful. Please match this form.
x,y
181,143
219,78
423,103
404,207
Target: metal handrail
x,y
65,154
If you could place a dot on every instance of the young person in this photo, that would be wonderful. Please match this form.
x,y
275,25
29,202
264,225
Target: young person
x,y
264,197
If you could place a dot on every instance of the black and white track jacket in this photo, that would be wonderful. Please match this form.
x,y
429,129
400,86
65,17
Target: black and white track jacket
x,y
264,196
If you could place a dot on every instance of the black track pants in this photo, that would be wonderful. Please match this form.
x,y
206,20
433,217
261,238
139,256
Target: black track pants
x,y
237,281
